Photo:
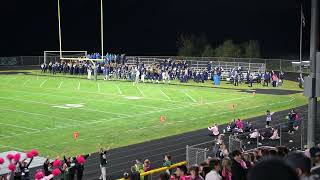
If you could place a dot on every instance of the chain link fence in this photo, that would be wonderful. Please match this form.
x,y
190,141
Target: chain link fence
x,y
199,153
266,137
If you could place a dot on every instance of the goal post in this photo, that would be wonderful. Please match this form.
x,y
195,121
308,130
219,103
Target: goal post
x,y
55,55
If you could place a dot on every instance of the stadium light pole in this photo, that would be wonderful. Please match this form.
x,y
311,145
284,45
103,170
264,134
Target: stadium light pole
x,y
59,22
301,34
313,124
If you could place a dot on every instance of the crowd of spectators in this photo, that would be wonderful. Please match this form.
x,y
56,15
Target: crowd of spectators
x,y
165,70
65,169
259,164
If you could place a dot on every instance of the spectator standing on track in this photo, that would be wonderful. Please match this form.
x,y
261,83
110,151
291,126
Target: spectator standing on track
x,y
167,162
269,118
103,164
215,166
291,117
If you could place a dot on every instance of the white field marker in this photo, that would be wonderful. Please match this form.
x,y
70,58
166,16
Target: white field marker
x,y
43,83
98,87
119,90
78,86
60,84
25,83
140,91
189,96
165,95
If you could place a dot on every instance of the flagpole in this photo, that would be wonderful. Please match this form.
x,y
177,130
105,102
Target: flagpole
x,y
301,29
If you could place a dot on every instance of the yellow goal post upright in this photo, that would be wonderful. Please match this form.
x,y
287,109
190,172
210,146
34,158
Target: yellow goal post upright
x,y
81,58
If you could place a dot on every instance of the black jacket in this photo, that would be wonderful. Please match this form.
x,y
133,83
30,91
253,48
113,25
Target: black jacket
x,y
238,172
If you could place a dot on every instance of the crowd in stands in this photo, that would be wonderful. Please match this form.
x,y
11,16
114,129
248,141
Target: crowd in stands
x,y
116,67
66,169
260,164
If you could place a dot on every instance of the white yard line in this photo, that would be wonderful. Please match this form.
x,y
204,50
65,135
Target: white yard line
x,y
84,99
98,87
108,120
119,90
140,91
21,127
165,95
85,109
24,84
60,84
189,96
79,86
43,83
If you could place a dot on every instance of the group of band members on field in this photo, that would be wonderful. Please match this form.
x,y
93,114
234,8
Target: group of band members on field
x,y
164,71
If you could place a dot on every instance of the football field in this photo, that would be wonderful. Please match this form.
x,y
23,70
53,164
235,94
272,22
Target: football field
x,y
43,112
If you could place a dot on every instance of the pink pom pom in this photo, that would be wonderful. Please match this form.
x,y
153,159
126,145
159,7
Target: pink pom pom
x,y
56,163
12,167
1,160
29,155
16,157
39,175
34,152
10,156
81,160
56,172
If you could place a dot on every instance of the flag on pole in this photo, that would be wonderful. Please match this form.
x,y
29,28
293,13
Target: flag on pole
x,y
303,19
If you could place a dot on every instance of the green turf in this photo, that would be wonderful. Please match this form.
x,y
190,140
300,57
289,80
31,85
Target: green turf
x,y
30,120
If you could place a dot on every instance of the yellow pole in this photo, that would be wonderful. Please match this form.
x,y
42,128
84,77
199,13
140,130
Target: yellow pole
x,y
59,21
102,29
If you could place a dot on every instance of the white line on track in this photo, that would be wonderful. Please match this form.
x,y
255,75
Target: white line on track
x,y
165,94
189,96
60,84
140,91
98,87
119,90
43,83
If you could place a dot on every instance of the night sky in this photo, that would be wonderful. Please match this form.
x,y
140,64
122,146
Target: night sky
x,y
150,27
